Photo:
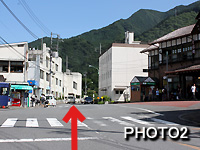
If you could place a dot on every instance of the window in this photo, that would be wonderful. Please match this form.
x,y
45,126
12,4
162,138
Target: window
x,y
56,81
47,62
4,91
116,92
16,66
3,66
47,77
56,67
179,50
121,92
74,85
60,83
41,74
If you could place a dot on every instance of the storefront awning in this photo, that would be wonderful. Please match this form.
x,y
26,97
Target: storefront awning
x,y
120,88
191,69
137,80
22,87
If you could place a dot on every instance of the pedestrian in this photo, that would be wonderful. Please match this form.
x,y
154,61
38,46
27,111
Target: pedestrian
x,y
157,94
37,101
43,99
194,89
32,99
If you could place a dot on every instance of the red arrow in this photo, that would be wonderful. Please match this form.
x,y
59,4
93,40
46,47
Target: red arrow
x,y
74,114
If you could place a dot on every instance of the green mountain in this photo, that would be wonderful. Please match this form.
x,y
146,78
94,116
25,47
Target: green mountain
x,y
147,25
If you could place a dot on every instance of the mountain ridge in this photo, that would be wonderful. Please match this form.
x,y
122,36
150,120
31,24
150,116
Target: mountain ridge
x,y
147,24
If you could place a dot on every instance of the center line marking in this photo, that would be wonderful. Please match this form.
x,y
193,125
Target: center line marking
x,y
44,139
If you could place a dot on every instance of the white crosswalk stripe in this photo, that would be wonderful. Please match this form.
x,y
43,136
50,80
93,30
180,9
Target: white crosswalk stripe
x,y
10,122
119,121
54,122
137,120
32,122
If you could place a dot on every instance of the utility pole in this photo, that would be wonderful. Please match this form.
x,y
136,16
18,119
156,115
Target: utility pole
x,y
85,82
100,49
58,37
50,63
167,75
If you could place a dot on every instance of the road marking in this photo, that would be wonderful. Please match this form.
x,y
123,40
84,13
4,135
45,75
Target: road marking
x,y
10,122
118,121
100,123
89,118
137,120
187,145
153,112
54,122
44,140
163,121
80,124
32,122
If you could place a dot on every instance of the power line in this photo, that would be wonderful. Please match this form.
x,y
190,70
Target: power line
x,y
34,17
27,29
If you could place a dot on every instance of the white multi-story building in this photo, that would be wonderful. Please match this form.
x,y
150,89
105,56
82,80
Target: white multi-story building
x,y
13,60
118,65
39,75
13,68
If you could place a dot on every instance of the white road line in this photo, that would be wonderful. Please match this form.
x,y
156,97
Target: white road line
x,y
163,121
89,118
100,123
119,121
137,120
44,140
80,124
10,122
32,122
153,112
54,122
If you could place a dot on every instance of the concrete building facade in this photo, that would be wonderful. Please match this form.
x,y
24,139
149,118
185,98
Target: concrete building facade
x,y
118,65
61,83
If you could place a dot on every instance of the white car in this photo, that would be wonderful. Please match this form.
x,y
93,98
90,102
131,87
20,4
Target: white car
x,y
51,99
70,99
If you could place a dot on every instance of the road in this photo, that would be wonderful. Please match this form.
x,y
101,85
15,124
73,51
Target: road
x,y
43,128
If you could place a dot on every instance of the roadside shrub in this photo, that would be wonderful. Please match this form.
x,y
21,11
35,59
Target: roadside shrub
x,y
106,98
101,102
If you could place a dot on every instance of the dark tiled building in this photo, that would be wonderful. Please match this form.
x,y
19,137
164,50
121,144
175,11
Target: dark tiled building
x,y
175,58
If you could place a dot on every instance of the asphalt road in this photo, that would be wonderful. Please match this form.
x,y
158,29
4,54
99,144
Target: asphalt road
x,y
43,128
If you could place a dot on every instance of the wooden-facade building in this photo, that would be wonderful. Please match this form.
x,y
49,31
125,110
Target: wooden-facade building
x,y
174,60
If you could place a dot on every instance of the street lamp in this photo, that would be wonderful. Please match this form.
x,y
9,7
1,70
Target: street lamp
x,y
94,68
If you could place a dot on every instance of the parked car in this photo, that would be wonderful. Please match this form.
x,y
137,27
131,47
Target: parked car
x,y
88,100
51,100
70,99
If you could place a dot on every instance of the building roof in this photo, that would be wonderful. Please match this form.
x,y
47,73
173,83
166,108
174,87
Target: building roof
x,y
150,48
129,45
141,79
126,45
13,44
194,68
175,34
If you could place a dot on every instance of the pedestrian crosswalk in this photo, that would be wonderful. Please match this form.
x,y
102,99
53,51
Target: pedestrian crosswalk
x,y
102,122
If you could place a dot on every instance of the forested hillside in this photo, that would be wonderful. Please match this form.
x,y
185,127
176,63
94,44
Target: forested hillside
x,y
148,25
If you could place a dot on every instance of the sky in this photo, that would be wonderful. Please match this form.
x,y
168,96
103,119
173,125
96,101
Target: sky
x,y
69,18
